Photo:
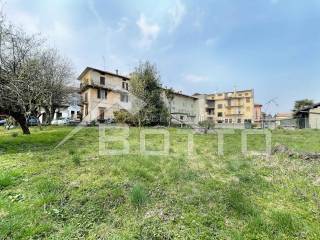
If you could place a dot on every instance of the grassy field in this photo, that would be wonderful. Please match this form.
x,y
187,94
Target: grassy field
x,y
74,193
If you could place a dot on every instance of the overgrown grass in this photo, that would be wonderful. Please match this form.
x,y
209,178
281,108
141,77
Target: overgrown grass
x,y
72,192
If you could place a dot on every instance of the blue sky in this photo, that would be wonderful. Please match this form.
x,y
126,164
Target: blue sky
x,y
272,46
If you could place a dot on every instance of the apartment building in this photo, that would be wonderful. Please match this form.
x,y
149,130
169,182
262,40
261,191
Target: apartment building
x,y
102,93
227,107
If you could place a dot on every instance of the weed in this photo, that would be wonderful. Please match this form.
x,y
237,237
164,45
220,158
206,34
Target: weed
x,y
138,195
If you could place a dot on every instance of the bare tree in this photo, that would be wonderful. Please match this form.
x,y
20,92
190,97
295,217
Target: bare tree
x,y
31,76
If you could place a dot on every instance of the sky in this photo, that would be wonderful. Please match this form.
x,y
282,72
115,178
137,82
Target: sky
x,y
208,46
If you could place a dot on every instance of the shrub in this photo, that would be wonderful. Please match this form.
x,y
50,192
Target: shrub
x,y
124,116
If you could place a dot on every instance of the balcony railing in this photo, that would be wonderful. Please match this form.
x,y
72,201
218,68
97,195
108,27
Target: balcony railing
x,y
107,86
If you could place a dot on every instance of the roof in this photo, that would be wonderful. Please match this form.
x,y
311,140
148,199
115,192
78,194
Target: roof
x,y
185,95
84,72
310,107
284,115
182,94
258,105
237,91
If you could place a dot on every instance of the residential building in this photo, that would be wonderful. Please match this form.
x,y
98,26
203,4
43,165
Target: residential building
x,y
257,114
231,107
70,107
102,93
183,108
205,107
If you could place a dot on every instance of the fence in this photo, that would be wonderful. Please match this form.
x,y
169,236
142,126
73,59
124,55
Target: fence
x,y
293,123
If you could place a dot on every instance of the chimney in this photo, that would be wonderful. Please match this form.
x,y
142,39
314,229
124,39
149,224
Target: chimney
x,y
117,71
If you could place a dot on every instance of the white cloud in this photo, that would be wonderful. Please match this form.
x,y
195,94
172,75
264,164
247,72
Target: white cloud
x,y
149,31
194,78
177,12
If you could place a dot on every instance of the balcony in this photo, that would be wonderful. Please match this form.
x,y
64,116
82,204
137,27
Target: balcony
x,y
107,86
234,114
235,105
210,104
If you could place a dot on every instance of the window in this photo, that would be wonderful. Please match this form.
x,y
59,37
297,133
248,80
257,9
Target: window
x,y
226,120
220,106
246,94
248,100
229,102
239,120
219,121
102,80
124,97
181,117
101,93
230,120
86,110
220,114
125,85
86,97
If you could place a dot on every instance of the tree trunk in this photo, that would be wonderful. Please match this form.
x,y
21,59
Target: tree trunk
x,y
21,119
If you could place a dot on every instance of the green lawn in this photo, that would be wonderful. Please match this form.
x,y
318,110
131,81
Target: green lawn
x,y
74,193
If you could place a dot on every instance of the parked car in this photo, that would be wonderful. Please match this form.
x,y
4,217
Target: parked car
x,y
2,122
60,121
32,121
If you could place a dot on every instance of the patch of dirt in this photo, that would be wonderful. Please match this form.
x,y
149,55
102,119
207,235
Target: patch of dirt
x,y
283,149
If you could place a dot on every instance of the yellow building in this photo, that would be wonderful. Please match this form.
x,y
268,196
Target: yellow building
x,y
102,93
231,107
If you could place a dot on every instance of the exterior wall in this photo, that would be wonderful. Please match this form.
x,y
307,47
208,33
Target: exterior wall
x,y
314,118
94,105
257,113
233,107
183,108
201,107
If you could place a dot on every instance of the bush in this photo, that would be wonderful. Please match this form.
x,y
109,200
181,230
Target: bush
x,y
124,116
206,124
